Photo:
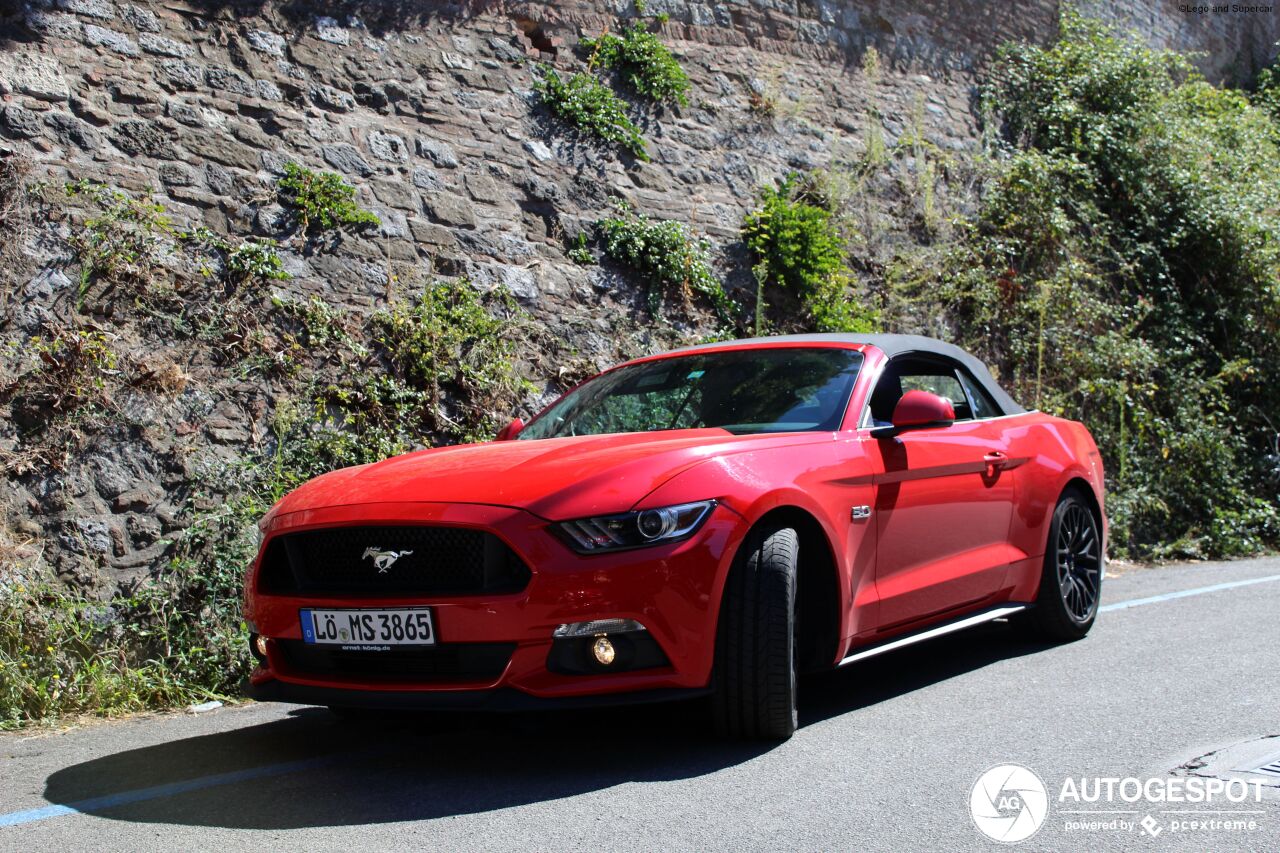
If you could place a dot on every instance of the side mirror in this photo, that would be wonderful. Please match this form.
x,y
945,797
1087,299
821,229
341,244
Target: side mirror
x,y
511,430
919,410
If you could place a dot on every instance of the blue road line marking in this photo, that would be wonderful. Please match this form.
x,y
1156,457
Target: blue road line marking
x,y
1169,596
171,789
32,815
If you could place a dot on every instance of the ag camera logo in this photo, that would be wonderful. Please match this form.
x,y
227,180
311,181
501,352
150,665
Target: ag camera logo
x,y
1008,803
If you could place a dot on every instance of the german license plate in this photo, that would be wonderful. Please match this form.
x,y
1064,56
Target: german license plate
x,y
404,626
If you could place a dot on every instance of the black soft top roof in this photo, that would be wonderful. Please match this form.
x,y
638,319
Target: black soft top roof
x,y
894,346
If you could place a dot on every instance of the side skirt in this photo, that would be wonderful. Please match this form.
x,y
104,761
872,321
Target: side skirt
x,y
943,629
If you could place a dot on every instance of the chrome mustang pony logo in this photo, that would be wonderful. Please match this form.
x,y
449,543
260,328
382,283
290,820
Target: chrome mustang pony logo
x,y
383,560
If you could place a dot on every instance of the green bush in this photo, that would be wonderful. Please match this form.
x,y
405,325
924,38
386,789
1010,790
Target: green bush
x,y
668,257
795,245
322,325
578,251
1267,91
589,105
643,61
322,201
1122,270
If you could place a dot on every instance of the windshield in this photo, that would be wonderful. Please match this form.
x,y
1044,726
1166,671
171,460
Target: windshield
x,y
743,391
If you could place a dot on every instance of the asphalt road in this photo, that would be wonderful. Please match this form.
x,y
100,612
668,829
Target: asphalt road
x,y
886,758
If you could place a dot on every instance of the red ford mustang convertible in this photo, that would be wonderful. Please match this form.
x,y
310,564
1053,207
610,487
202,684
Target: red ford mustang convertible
x,y
710,521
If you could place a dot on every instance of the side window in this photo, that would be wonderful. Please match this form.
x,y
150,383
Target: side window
x,y
983,405
944,385
916,374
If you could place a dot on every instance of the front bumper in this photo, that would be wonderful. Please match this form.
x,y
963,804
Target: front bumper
x,y
673,590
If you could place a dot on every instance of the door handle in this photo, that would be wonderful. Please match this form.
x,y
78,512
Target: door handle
x,y
995,460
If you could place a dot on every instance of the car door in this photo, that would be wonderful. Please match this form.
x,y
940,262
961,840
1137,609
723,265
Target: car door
x,y
943,499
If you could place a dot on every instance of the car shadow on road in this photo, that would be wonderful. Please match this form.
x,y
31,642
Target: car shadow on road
x,y
310,769
908,670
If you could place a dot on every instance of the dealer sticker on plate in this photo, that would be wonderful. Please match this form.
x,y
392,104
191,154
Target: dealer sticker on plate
x,y
405,626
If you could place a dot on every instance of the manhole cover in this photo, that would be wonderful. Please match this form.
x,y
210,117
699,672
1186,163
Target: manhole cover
x,y
1270,766
1255,761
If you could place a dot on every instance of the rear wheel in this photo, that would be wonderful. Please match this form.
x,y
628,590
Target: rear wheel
x,y
1071,581
755,672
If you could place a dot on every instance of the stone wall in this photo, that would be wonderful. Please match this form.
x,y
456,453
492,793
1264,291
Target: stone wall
x,y
428,109
1235,40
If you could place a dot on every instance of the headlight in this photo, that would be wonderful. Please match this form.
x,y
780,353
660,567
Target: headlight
x,y
634,529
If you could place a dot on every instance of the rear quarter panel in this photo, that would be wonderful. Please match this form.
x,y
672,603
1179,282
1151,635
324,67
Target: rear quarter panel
x,y
1049,453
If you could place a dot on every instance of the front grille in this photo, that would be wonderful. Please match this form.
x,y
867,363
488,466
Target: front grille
x,y
392,560
481,662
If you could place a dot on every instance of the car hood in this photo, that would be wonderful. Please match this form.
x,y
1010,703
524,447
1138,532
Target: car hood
x,y
554,478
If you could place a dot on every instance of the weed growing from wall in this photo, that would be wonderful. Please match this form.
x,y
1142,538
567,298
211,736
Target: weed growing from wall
x,y
668,257
797,247
643,62
458,347
321,201
126,242
589,105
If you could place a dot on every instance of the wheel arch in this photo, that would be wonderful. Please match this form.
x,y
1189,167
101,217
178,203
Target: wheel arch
x,y
1085,488
817,579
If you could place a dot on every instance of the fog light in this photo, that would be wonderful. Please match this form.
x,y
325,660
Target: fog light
x,y
260,646
603,650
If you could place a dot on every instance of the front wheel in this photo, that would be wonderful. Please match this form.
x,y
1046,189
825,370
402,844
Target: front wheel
x,y
755,672
1071,583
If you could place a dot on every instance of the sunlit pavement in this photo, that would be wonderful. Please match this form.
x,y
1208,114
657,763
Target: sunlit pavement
x,y
886,757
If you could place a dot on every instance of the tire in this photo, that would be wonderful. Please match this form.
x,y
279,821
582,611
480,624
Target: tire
x,y
1071,580
755,669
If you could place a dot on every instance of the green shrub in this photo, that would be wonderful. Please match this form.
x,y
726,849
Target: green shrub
x,y
126,242
643,61
668,257
795,245
1267,91
1122,270
71,369
578,251
322,201
177,639
322,325
797,239
460,348
589,105
256,260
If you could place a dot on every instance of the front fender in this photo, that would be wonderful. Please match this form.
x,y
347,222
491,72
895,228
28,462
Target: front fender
x,y
833,476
